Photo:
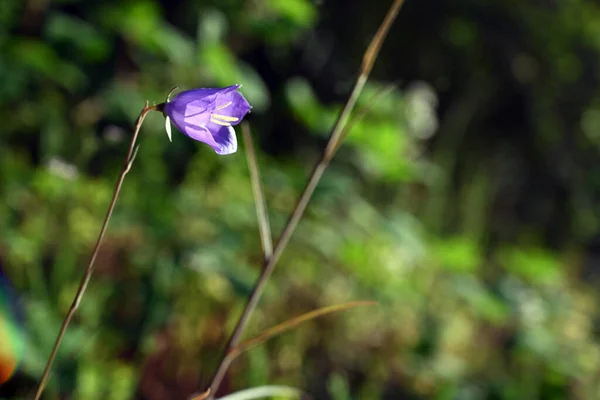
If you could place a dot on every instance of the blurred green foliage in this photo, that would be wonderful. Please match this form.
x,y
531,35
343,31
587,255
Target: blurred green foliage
x,y
466,206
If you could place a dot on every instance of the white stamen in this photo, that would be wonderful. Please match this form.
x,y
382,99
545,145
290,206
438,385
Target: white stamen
x,y
224,117
216,121
224,105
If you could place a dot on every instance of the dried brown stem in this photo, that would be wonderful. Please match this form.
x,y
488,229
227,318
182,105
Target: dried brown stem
x,y
368,60
283,327
89,269
292,323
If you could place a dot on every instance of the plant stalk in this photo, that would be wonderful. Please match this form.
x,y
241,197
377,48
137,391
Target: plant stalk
x,y
89,269
369,58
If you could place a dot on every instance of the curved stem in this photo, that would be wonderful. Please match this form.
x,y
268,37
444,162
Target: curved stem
x,y
337,133
89,269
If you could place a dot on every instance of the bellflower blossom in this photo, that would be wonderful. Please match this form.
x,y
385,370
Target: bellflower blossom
x,y
207,115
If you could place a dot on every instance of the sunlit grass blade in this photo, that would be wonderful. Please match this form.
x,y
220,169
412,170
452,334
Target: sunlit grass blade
x,y
262,215
262,392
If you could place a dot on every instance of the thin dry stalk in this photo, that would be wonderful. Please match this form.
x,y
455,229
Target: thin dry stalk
x,y
89,269
367,65
360,114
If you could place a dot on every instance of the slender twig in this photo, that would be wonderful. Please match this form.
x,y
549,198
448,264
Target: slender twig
x,y
367,65
89,269
363,111
259,199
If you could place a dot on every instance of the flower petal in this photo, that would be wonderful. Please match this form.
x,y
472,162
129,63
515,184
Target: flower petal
x,y
224,139
207,114
238,106
194,94
231,88
200,134
221,138
204,94
187,116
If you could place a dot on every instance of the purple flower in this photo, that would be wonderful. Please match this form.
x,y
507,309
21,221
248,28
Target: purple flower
x,y
206,115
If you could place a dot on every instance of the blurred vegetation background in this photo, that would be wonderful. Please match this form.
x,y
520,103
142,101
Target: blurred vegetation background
x,y
466,203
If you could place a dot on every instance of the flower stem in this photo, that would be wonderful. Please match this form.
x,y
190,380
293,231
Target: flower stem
x,y
89,269
337,133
